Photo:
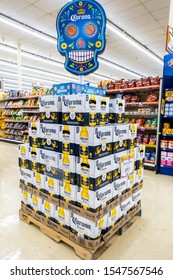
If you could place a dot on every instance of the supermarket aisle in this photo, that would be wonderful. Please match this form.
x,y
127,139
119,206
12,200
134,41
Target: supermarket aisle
x,y
149,238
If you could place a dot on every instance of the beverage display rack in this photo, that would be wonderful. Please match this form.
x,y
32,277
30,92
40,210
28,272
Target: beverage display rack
x,y
14,123
133,111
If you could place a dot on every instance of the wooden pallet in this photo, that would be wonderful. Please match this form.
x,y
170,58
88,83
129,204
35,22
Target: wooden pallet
x,y
83,253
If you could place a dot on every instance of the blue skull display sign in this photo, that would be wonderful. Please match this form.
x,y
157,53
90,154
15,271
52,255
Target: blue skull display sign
x,y
81,27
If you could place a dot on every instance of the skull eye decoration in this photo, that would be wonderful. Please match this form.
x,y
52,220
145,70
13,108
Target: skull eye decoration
x,y
81,29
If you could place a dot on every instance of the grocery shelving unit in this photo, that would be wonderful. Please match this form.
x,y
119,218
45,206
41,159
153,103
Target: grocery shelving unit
x,y
132,111
19,116
164,153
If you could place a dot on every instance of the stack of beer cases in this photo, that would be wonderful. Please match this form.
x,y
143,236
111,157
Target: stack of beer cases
x,y
82,153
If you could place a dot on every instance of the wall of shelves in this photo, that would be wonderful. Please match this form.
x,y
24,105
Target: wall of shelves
x,y
17,112
146,110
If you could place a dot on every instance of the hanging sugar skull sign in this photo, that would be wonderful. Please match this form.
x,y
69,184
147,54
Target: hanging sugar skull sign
x,y
81,27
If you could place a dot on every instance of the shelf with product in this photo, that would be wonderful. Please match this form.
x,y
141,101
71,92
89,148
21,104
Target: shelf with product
x,y
165,147
19,108
141,107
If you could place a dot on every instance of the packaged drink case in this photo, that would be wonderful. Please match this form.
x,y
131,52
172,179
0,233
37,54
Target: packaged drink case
x,y
49,136
119,187
39,181
48,209
120,137
131,180
26,177
94,90
117,157
67,164
114,216
68,89
48,161
93,142
87,229
25,197
94,200
68,192
104,113
94,173
50,109
136,198
139,175
132,135
126,206
62,217
52,186
67,139
33,131
36,203
82,110
23,151
34,158
116,110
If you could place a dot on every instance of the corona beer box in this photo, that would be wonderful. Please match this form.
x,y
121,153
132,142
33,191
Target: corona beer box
x,y
25,197
26,177
139,175
119,187
82,110
48,209
68,192
94,90
85,228
131,180
33,132
126,205
48,161
36,203
67,164
50,109
114,216
117,157
34,158
104,112
23,151
49,135
132,135
68,89
67,139
52,186
136,198
116,110
39,181
120,137
93,142
94,173
94,200
62,217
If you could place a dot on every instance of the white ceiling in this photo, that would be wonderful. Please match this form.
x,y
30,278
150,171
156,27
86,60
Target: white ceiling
x,y
145,20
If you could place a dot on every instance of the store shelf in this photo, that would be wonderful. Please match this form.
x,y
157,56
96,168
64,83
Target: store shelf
x,y
22,98
9,133
147,88
11,140
166,149
142,115
15,128
168,117
167,135
22,107
15,121
31,112
150,146
141,104
147,128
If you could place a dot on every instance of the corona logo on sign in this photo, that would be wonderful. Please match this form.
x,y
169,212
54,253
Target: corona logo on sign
x,y
81,27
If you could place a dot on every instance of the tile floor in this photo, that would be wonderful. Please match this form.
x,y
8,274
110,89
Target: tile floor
x,y
151,237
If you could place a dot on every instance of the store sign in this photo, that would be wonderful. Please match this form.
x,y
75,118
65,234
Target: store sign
x,y
81,27
168,65
169,40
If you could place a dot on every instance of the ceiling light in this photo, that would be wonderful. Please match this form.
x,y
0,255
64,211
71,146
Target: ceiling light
x,y
26,29
119,68
133,42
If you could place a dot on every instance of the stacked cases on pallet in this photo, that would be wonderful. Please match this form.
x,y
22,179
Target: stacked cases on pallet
x,y
82,172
